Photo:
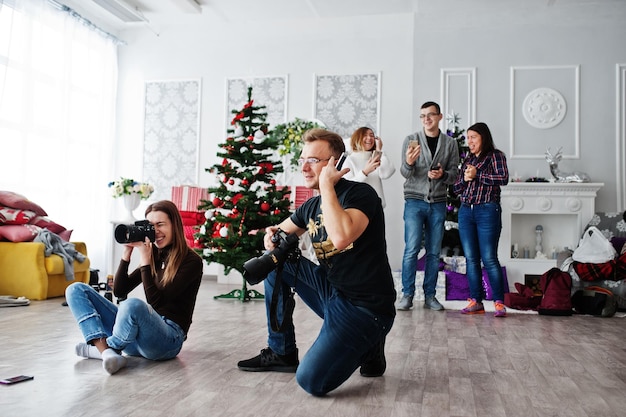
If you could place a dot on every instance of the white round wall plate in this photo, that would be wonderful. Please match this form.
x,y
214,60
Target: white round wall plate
x,y
544,108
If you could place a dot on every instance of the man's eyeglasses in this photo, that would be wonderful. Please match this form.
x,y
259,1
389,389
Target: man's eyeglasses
x,y
310,161
429,115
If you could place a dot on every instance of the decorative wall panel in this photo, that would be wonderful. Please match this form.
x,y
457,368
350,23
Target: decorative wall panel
x,y
270,92
171,135
346,102
545,111
620,118
458,95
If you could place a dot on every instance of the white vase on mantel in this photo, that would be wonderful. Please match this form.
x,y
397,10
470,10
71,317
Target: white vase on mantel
x,y
131,202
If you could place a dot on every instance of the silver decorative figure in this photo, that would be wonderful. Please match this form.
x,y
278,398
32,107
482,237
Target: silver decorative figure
x,y
553,161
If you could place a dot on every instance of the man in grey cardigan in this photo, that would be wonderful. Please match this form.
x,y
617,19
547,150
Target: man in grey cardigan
x,y
430,162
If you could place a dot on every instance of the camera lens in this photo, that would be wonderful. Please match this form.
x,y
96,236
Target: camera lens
x,y
127,233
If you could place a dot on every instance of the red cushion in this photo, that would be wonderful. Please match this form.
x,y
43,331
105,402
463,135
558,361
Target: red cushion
x,y
15,200
45,223
19,233
9,215
192,218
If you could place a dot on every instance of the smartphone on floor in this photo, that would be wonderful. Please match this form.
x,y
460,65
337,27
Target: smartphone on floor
x,y
16,379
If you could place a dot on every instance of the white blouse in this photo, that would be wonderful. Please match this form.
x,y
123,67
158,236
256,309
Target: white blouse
x,y
356,161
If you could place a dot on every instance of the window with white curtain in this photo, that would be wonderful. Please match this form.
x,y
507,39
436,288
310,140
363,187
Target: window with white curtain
x,y
58,80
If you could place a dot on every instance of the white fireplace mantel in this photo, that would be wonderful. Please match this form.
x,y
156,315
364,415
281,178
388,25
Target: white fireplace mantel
x,y
562,209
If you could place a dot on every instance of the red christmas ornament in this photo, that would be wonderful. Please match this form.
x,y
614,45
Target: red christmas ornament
x,y
250,138
266,166
236,198
231,181
276,212
235,211
224,162
265,206
272,182
244,182
217,202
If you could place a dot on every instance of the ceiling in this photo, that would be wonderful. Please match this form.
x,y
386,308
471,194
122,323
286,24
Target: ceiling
x,y
163,13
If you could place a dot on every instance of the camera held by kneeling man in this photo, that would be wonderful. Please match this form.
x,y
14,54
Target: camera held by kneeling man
x,y
348,282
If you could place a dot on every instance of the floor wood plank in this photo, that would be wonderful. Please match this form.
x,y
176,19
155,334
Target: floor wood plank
x,y
439,364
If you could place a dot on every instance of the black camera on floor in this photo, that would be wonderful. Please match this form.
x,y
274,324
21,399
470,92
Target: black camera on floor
x,y
256,269
127,233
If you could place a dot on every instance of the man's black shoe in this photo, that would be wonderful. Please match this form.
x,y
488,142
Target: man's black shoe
x,y
270,361
375,363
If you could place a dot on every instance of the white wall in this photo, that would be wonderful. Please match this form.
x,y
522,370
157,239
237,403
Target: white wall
x,y
410,51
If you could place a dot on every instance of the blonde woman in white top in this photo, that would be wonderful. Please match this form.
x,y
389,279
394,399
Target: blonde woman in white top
x,y
367,162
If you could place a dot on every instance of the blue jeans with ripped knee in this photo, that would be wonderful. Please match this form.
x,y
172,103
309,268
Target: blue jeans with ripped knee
x,y
134,327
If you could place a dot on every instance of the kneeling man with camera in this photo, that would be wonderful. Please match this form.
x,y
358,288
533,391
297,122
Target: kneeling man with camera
x,y
350,287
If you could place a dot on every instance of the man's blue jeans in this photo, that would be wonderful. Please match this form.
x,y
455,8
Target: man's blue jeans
x,y
422,219
133,327
479,229
348,332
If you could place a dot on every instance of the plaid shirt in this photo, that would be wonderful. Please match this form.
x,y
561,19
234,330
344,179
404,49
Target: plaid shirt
x,y
491,173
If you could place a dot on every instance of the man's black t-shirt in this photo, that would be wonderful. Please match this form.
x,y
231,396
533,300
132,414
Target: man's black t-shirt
x,y
361,272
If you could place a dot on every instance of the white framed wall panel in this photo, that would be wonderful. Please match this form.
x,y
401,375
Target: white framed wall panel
x,y
171,135
545,111
270,92
458,95
346,102
620,139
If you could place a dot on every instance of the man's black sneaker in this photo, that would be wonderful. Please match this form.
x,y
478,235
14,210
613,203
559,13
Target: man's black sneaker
x,y
270,361
375,363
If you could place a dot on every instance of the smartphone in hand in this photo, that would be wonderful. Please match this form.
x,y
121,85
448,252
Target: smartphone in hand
x,y
414,143
376,155
340,161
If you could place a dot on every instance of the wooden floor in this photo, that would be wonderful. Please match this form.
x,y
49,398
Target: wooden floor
x,y
439,364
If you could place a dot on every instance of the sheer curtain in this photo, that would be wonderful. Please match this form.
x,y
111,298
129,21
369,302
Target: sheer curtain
x,y
58,80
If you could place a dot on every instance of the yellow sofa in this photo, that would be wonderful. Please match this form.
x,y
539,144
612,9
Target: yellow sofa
x,y
26,272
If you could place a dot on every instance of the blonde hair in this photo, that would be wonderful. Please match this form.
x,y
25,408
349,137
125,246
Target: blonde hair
x,y
356,141
337,147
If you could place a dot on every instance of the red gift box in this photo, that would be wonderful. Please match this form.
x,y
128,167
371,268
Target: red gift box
x,y
191,222
302,195
187,198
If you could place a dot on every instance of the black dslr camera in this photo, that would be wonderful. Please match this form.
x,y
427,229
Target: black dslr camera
x,y
127,233
256,269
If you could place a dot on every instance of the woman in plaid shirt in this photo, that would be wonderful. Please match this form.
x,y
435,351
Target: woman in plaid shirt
x,y
480,215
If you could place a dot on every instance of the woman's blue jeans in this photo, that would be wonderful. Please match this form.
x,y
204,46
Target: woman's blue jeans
x,y
347,335
479,229
427,220
133,327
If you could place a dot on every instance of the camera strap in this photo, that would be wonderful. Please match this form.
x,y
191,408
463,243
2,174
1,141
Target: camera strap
x,y
290,304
